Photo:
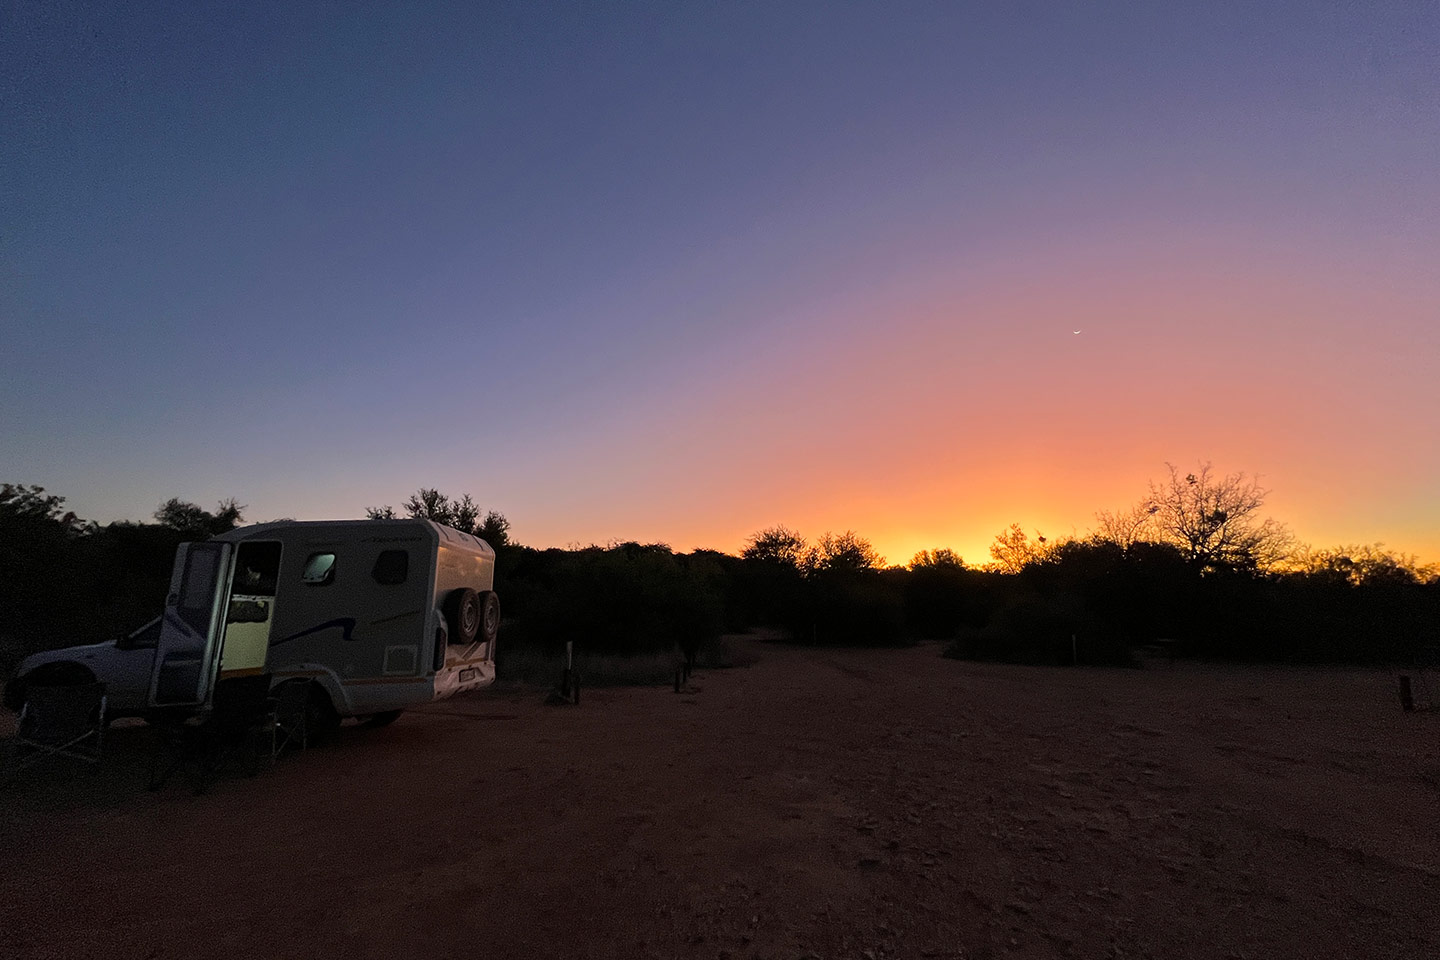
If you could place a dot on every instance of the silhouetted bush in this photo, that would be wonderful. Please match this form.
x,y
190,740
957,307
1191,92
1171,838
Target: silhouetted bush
x,y
861,608
940,601
766,593
1038,629
628,599
65,582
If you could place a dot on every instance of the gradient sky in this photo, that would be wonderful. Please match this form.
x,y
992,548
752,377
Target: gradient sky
x,y
679,271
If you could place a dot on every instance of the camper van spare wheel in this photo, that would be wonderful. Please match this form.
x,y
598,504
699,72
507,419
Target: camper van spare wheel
x,y
462,613
489,617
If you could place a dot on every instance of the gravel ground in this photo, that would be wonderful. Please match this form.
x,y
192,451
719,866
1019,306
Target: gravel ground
x,y
820,803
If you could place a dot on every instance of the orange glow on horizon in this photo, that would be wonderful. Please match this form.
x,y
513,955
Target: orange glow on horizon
x,y
940,418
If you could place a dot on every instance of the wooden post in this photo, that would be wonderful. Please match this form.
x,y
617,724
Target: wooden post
x,y
1074,657
1407,699
574,691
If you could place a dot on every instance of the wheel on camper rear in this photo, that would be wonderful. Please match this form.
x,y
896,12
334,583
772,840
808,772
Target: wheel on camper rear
x,y
322,722
489,619
462,613
382,719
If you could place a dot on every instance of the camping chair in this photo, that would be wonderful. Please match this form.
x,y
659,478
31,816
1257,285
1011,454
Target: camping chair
x,y
63,721
200,746
289,719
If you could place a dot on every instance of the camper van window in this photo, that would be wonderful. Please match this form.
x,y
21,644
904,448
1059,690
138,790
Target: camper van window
x,y
319,569
257,569
391,567
198,590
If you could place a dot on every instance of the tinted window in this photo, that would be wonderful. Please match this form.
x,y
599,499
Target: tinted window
x,y
391,567
319,569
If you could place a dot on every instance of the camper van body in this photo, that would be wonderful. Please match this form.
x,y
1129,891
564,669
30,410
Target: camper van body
x,y
364,609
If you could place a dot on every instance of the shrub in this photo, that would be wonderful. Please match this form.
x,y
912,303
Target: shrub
x,y
1039,630
859,609
630,599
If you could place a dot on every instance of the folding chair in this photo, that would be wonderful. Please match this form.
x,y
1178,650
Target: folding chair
x,y
200,746
62,721
289,722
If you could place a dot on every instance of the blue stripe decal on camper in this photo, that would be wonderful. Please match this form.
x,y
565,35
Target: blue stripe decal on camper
x,y
346,624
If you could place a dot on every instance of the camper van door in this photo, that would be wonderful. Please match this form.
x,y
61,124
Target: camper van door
x,y
185,652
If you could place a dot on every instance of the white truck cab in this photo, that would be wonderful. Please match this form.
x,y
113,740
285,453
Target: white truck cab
x,y
125,663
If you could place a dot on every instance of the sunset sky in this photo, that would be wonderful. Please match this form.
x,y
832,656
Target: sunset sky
x,y
680,271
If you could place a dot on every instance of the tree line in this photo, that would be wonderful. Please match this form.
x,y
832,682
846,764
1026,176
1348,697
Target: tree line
x,y
1195,561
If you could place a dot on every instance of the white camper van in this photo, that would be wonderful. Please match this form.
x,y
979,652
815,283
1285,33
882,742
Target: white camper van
x,y
374,615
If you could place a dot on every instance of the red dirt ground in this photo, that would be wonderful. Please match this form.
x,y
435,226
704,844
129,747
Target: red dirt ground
x,y
825,804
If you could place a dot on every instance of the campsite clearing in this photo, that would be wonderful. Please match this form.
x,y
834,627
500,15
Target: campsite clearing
x,y
823,803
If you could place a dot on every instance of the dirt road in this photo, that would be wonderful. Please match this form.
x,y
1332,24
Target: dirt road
x,y
828,804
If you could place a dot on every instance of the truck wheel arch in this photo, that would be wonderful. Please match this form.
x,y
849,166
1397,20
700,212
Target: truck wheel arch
x,y
62,673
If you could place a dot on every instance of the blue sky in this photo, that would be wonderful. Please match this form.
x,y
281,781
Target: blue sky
x,y
318,255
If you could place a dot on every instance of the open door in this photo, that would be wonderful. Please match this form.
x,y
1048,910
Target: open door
x,y
190,630
250,610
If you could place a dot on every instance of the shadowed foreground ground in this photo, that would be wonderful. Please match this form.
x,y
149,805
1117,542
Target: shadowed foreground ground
x,y
820,803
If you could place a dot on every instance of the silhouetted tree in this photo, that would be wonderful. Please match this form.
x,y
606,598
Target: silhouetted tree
x,y
941,595
843,598
1127,526
779,545
1216,521
40,576
21,504
1013,549
628,598
846,552
64,581
942,558
462,514
431,504
494,529
768,580
1358,564
194,523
